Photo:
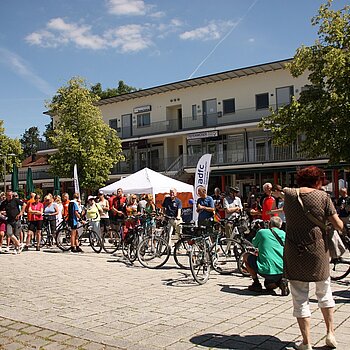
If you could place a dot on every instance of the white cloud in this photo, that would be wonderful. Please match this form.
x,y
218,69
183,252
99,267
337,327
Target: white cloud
x,y
126,7
128,38
213,31
58,32
251,40
21,68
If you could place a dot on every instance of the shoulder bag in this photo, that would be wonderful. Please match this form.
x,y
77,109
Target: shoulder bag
x,y
335,244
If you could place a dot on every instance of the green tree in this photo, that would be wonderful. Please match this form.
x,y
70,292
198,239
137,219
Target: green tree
x,y
120,90
9,146
30,141
322,112
81,136
48,131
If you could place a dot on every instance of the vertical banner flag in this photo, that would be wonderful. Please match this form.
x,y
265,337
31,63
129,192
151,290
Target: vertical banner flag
x,y
76,180
201,179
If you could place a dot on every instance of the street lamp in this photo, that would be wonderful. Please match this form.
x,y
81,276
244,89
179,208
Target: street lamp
x,y
5,156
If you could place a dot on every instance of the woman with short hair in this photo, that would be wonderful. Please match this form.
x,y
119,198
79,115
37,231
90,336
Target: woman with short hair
x,y
306,254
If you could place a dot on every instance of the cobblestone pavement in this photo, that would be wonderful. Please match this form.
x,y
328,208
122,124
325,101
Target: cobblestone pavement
x,y
53,300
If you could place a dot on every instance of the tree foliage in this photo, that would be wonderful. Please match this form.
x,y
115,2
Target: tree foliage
x,y
9,146
120,90
48,131
322,112
81,136
30,141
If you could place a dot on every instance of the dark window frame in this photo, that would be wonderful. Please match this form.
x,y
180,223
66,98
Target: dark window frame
x,y
259,103
224,105
142,120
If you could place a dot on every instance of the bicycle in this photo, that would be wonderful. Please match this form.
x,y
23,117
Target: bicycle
x,y
85,233
340,267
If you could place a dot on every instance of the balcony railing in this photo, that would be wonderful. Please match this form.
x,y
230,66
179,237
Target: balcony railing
x,y
192,123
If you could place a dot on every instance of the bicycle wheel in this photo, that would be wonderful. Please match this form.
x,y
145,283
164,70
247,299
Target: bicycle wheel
x,y
182,253
111,241
225,256
63,239
200,262
153,252
129,248
95,241
339,268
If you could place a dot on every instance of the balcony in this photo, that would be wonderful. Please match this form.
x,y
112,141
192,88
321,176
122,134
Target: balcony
x,y
245,115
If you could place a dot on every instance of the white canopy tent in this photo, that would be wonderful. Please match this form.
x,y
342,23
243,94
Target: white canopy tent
x,y
147,181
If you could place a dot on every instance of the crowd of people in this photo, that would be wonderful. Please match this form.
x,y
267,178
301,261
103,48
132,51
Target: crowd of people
x,y
291,247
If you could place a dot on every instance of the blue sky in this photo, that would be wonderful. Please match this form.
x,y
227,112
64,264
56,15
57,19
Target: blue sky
x,y
44,43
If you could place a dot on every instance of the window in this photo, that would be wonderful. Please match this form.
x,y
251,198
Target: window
x,y
284,95
194,112
143,119
262,101
229,106
113,123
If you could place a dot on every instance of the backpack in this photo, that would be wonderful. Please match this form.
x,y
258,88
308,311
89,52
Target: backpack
x,y
71,213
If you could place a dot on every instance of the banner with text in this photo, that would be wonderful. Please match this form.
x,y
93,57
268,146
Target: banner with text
x,y
76,180
201,179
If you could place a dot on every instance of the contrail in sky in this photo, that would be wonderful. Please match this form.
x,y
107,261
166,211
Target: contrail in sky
x,y
21,68
228,33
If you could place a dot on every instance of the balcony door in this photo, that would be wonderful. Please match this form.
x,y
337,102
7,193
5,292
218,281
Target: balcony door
x,y
210,112
262,148
126,126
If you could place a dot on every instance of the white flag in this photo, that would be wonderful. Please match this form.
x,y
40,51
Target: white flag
x,y
201,179
76,180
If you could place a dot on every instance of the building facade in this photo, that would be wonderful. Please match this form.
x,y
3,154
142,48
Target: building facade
x,y
169,127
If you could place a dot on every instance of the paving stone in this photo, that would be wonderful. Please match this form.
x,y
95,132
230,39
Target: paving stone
x,y
45,333
31,329
60,338
12,346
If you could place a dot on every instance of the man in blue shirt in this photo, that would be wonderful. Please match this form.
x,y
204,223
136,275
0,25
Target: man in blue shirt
x,y
172,207
73,218
205,207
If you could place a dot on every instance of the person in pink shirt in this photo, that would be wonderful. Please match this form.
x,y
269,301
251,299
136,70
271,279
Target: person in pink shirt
x,y
36,213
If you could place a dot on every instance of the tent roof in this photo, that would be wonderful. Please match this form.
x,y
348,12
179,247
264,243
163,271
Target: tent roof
x,y
147,181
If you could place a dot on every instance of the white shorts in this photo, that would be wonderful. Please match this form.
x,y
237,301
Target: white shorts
x,y
300,294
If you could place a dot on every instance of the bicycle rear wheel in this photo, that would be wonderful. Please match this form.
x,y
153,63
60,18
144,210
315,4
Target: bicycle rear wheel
x,y
339,268
95,241
225,256
63,239
153,252
182,253
200,263
111,241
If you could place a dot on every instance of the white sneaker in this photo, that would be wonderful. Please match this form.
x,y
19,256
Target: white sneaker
x,y
302,346
0,250
7,249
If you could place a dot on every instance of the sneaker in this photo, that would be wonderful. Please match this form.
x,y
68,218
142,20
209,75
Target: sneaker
x,y
302,346
0,250
7,249
37,249
255,287
284,287
73,250
79,250
25,248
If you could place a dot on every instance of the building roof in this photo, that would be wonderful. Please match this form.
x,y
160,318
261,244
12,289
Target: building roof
x,y
35,160
207,79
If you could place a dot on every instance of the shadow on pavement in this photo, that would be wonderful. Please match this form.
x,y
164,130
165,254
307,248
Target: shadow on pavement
x,y
235,341
244,291
185,280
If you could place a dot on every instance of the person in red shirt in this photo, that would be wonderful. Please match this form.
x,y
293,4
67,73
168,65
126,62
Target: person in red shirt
x,y
65,204
268,202
35,211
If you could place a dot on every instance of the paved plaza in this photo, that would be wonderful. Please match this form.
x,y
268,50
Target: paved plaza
x,y
54,300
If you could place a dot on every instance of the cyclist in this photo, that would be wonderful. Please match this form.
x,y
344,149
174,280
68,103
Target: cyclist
x,y
93,212
35,212
74,216
118,210
11,208
103,202
50,214
205,207
172,207
233,207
